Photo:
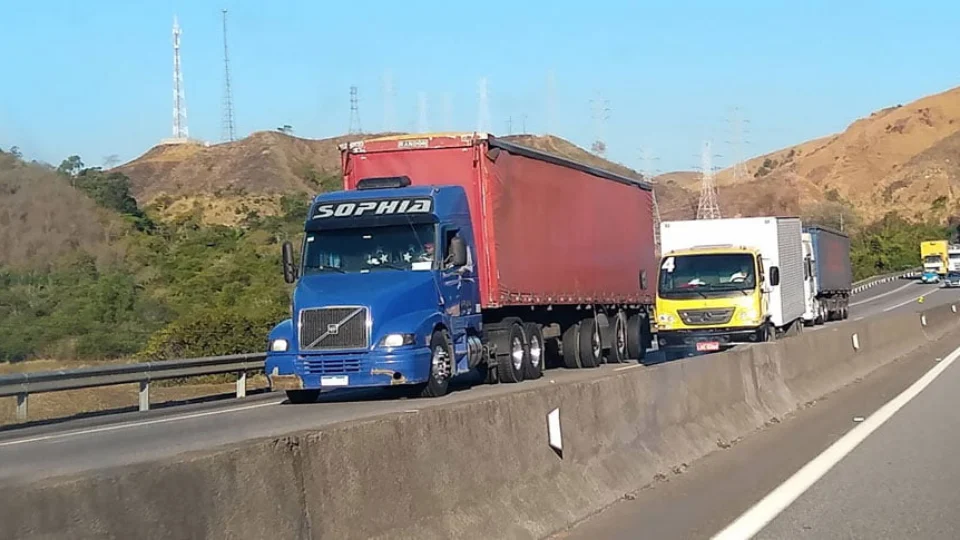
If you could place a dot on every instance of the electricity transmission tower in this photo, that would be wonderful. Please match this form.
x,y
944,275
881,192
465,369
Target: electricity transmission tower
x,y
483,112
601,113
649,173
354,112
180,132
738,131
227,131
708,207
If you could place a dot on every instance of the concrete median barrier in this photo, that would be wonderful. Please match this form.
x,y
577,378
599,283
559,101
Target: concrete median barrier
x,y
477,469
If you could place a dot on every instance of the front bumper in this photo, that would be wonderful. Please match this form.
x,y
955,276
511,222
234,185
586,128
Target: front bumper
x,y
724,336
287,371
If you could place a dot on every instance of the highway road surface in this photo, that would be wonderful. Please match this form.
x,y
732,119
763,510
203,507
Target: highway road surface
x,y
876,459
76,445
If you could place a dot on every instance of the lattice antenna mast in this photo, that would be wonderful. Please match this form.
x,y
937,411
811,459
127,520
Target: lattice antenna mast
x,y
447,111
551,104
227,129
649,174
388,93
601,113
708,207
180,131
483,112
739,130
354,112
423,125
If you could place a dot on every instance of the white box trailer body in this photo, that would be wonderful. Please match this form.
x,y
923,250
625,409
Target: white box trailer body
x,y
777,238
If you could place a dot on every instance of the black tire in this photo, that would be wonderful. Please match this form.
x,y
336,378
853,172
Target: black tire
x,y
591,350
439,382
509,369
570,345
618,340
845,313
536,352
769,333
303,396
635,337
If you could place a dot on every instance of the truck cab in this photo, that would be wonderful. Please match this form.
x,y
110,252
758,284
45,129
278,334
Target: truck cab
x,y
814,312
381,268
711,297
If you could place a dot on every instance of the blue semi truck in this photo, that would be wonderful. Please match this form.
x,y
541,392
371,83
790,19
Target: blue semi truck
x,y
451,253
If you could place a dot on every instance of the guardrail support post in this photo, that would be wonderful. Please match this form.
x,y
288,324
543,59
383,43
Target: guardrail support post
x,y
144,396
22,407
242,384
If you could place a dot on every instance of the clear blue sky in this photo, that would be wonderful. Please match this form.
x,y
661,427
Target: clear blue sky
x,y
94,78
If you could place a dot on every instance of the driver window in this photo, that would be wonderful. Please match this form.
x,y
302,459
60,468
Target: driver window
x,y
448,235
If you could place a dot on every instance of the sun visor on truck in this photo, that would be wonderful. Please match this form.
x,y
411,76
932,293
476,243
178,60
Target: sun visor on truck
x,y
371,212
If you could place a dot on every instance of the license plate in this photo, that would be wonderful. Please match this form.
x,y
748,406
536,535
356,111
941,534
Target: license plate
x,y
334,380
708,346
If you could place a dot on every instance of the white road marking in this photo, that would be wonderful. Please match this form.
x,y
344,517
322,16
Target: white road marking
x,y
872,298
762,513
624,368
116,427
901,304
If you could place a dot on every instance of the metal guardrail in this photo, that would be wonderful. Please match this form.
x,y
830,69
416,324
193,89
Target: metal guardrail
x,y
22,385
877,280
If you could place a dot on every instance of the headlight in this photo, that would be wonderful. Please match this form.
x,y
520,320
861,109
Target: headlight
x,y
279,345
665,318
397,340
748,314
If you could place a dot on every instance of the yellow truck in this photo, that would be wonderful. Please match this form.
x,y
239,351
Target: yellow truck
x,y
934,256
728,281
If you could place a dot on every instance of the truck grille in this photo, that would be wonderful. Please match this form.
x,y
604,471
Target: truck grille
x,y
334,329
706,316
319,365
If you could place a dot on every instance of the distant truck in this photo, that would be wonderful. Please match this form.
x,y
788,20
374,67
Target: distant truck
x,y
724,281
828,274
953,257
934,255
451,253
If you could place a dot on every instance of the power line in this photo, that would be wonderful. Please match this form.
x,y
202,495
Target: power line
x,y
227,131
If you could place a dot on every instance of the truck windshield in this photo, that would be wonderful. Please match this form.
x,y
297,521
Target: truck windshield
x,y
704,275
391,247
932,259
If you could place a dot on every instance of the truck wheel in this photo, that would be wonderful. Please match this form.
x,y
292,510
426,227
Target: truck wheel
x,y
441,365
769,333
821,316
637,336
512,357
570,344
536,352
303,396
618,343
591,349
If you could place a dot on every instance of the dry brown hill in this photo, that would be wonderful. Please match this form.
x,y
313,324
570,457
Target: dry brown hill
x,y
901,159
43,218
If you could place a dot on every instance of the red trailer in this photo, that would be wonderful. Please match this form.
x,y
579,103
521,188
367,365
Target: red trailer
x,y
559,242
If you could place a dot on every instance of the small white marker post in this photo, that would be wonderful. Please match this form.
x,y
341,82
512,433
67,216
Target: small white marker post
x,y
923,320
856,342
554,435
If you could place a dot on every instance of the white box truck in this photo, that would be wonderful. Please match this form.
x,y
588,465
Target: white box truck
x,y
728,281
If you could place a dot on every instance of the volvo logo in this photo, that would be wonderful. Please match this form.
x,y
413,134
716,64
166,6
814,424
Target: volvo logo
x,y
333,329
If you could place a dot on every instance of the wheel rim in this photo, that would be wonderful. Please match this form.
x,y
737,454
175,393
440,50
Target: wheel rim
x,y
536,350
440,363
595,342
621,339
516,352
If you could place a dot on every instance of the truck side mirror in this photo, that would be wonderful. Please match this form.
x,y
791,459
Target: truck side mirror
x,y
458,251
774,276
289,268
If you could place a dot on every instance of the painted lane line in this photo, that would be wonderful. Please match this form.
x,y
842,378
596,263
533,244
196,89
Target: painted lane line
x,y
116,427
762,513
901,304
888,293
624,368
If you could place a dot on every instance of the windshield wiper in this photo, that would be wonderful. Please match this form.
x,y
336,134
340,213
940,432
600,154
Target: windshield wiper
x,y
385,265
321,267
